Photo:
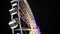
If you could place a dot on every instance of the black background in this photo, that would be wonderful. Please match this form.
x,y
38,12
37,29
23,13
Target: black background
x,y
43,10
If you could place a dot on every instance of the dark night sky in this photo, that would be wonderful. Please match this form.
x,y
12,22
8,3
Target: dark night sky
x,y
43,10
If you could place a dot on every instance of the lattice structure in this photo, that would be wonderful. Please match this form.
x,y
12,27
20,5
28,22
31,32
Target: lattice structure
x,y
22,19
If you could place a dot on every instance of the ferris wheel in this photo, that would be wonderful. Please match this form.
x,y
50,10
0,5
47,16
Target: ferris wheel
x,y
22,19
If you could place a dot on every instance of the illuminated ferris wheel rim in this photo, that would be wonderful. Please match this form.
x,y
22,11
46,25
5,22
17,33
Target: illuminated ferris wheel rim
x,y
30,18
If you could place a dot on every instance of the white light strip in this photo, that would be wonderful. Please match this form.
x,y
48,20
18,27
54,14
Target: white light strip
x,y
14,13
18,33
14,4
13,1
14,27
11,22
12,9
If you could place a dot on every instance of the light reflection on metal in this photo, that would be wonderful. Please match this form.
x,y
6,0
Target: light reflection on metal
x,y
24,12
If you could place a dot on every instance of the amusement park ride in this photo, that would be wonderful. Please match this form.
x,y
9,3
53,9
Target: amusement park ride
x,y
22,19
